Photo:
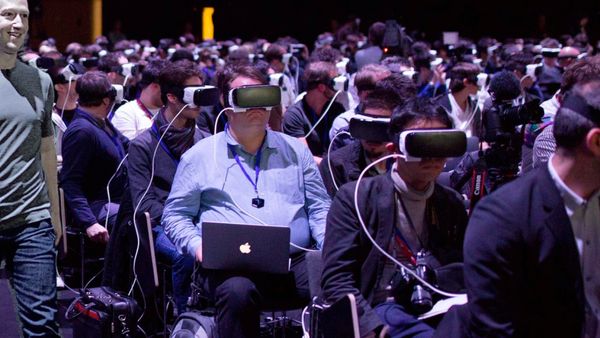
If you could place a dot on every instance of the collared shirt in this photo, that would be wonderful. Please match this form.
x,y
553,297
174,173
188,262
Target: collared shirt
x,y
210,186
585,220
131,120
463,119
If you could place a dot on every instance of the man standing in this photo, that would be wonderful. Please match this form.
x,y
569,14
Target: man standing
x,y
532,249
245,174
28,191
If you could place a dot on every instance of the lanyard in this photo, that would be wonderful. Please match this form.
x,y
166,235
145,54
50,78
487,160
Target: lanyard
x,y
113,137
144,109
163,145
256,165
400,240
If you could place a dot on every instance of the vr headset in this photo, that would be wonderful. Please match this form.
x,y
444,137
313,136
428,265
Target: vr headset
x,y
342,66
432,143
276,79
340,83
118,92
43,63
374,129
199,96
550,52
129,69
245,98
285,59
70,73
89,62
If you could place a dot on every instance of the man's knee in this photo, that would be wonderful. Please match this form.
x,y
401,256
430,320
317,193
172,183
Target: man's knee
x,y
237,293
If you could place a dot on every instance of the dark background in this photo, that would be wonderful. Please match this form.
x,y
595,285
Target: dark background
x,y
305,19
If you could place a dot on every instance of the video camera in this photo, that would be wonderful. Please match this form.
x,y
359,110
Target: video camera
x,y
395,39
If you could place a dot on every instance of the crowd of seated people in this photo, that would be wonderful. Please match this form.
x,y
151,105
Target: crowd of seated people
x,y
130,141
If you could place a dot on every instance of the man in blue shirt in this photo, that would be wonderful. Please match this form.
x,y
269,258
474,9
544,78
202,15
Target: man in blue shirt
x,y
93,150
217,180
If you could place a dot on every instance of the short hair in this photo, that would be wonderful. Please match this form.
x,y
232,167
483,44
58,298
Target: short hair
x,y
232,72
367,76
395,63
325,54
274,52
92,88
318,72
376,32
151,72
182,54
110,62
570,127
518,62
580,71
172,77
461,71
239,56
395,89
414,110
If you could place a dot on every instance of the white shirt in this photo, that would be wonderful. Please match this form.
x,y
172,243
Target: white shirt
x,y
463,119
550,106
585,220
131,120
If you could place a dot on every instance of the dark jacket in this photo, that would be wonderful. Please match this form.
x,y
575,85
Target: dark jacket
x,y
346,165
353,265
90,158
522,269
140,168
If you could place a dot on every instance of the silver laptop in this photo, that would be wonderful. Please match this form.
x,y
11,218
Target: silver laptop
x,y
246,247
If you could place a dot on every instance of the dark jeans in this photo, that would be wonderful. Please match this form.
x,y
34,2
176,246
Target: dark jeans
x,y
240,296
182,267
401,323
31,264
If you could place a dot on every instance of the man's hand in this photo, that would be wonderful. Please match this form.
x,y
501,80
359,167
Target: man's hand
x,y
199,253
439,75
97,233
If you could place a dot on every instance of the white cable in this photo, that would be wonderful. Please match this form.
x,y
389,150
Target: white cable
x,y
305,333
263,223
296,89
329,157
137,207
215,133
108,191
323,115
125,81
364,227
62,111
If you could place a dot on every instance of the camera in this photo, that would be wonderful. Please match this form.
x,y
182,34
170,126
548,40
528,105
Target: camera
x,y
409,292
395,39
502,118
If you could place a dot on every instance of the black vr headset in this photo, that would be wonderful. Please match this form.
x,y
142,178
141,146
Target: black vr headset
x,y
368,128
245,98
432,143
550,52
199,96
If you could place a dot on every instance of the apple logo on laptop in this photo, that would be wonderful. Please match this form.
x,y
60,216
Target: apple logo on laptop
x,y
245,248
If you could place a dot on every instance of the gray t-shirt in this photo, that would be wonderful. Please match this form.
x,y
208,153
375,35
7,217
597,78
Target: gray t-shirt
x,y
25,118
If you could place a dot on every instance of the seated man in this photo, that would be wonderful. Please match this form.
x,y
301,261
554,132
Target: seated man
x,y
347,162
406,212
93,150
531,248
181,135
302,116
219,178
135,116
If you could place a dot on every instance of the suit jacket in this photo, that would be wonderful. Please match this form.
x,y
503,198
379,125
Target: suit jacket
x,y
522,268
347,163
353,265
